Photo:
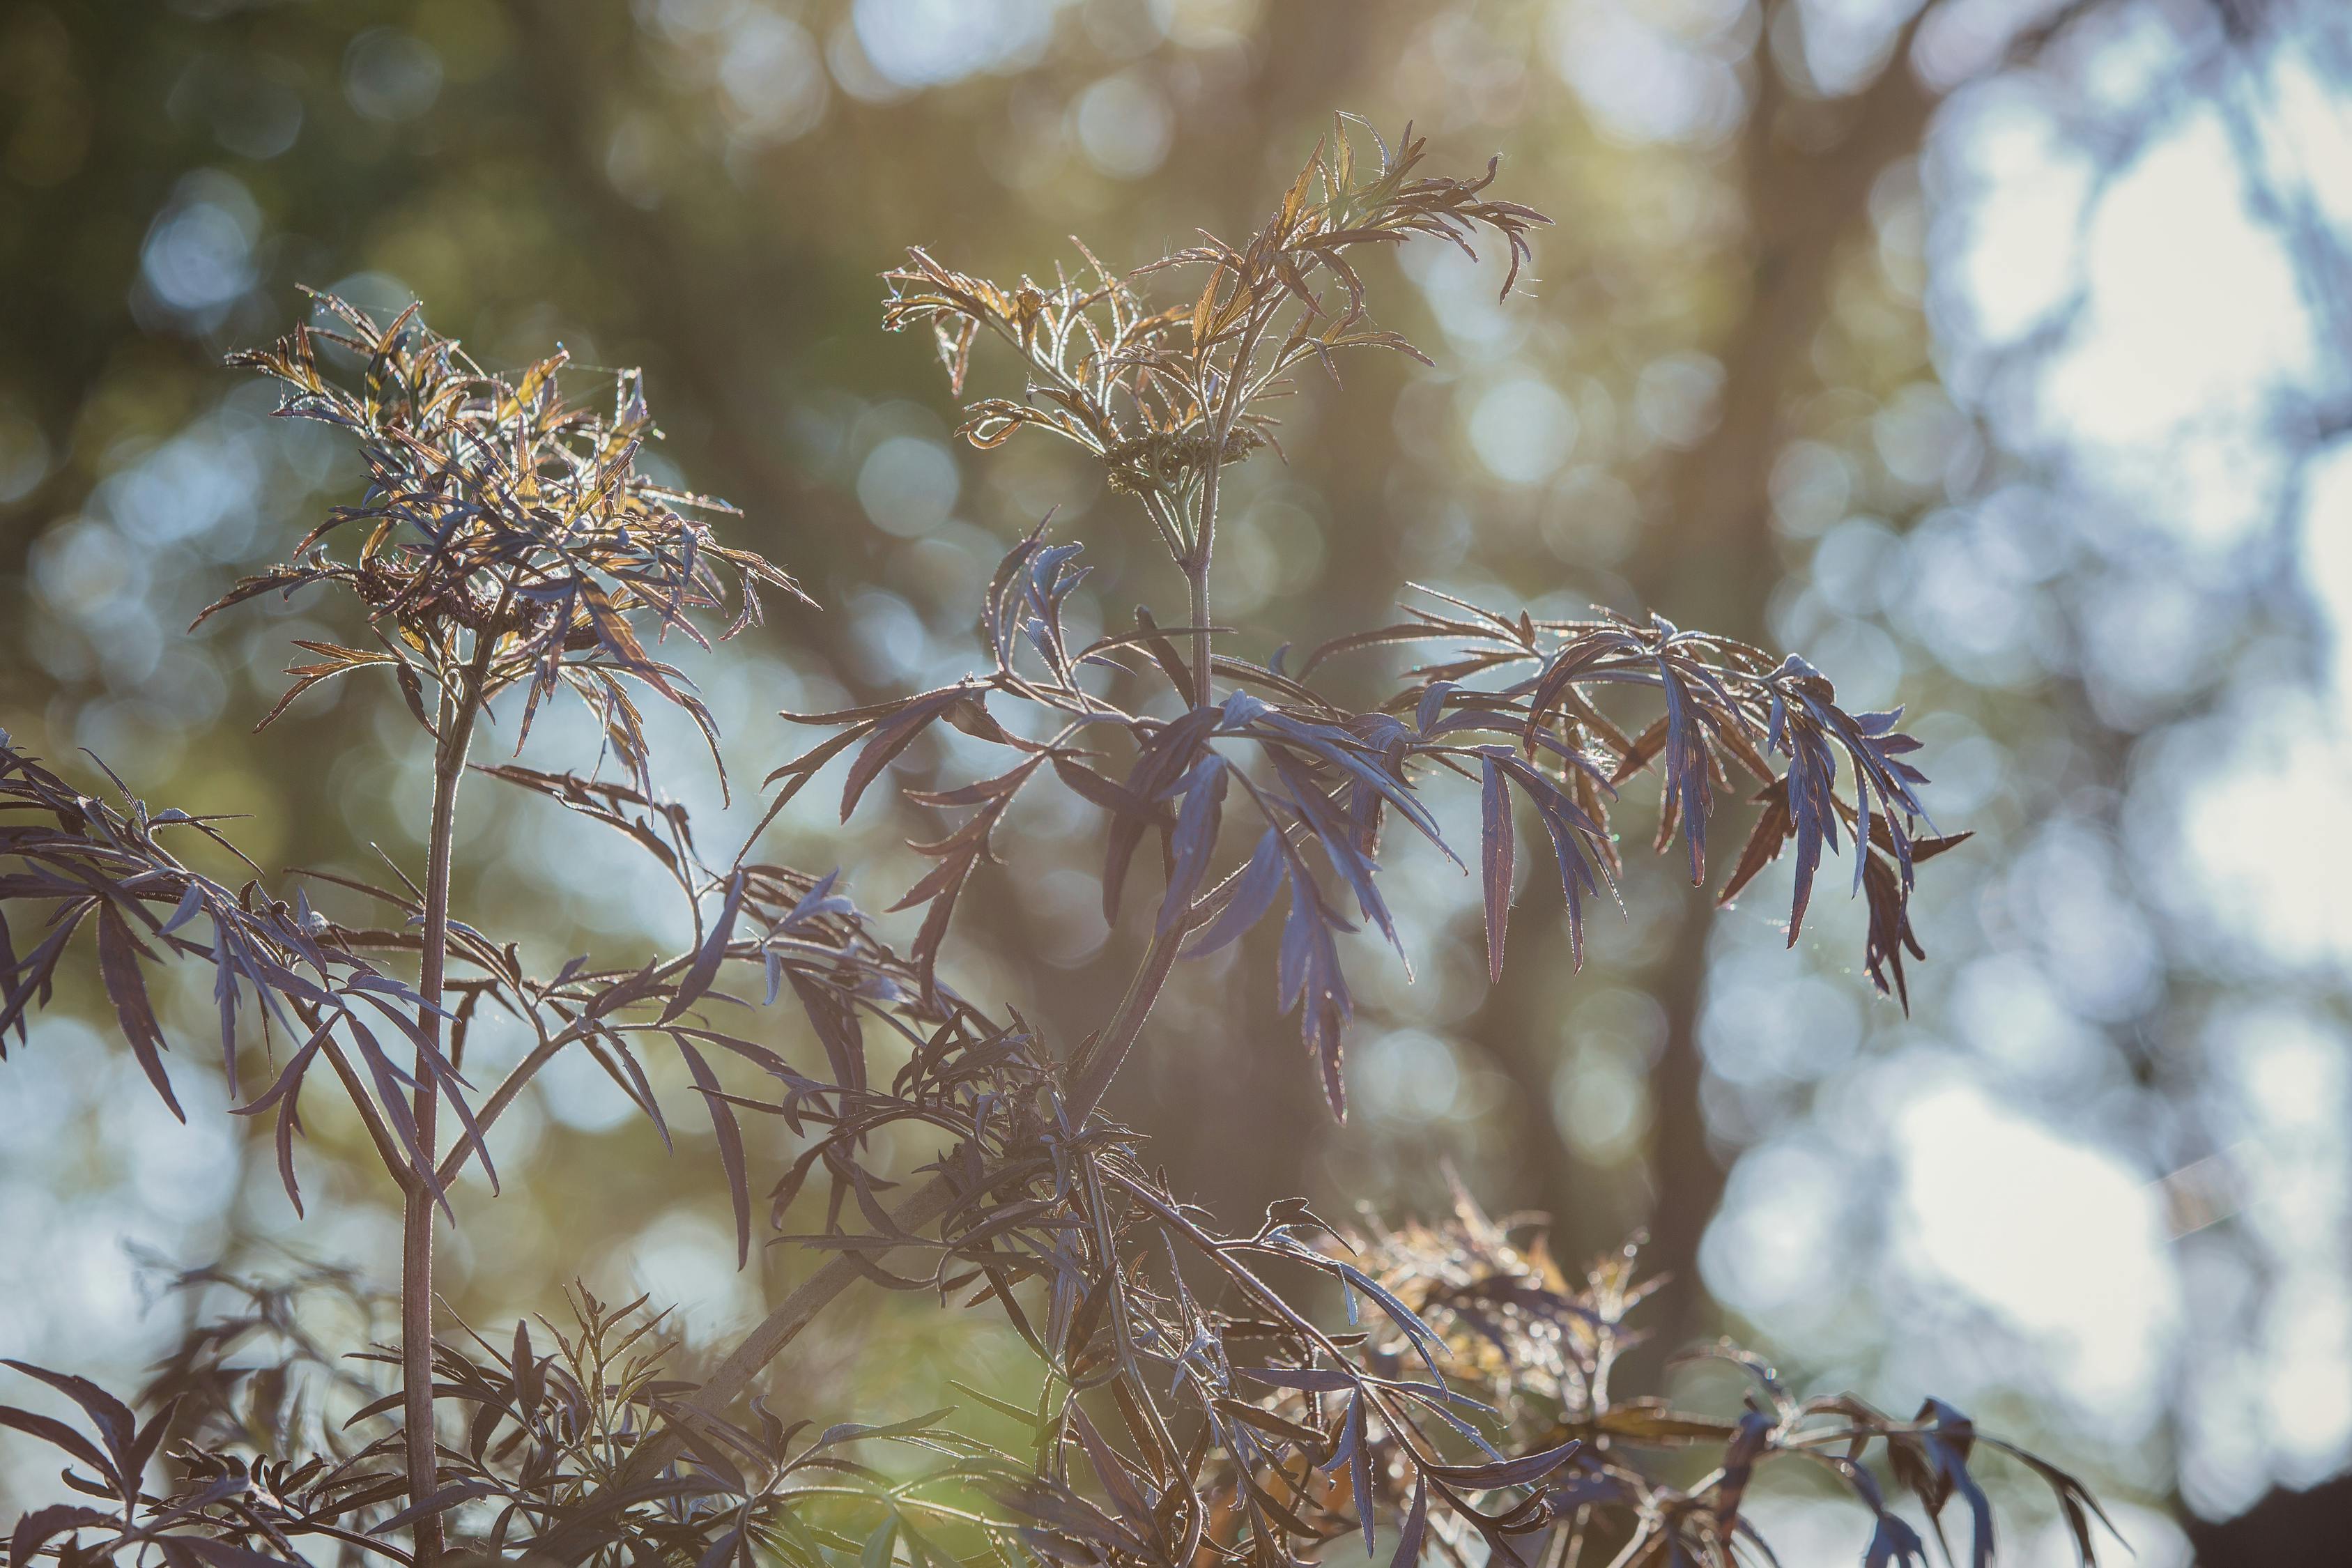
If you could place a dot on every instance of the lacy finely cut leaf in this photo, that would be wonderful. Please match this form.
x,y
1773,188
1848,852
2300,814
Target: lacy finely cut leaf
x,y
502,523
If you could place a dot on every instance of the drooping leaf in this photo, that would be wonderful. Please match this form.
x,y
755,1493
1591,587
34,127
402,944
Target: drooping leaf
x,y
118,966
1496,851
730,1135
710,955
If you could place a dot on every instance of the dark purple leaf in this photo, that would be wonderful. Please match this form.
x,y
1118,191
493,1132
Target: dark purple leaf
x,y
442,1502
1416,1522
1195,839
731,1143
1252,896
56,1434
1117,1483
710,955
1358,1444
1525,1470
118,966
892,736
43,1525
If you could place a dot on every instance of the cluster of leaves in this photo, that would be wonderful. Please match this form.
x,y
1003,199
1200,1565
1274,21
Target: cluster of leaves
x,y
1472,1413
1728,710
87,862
545,1432
1166,398
1193,1403
110,867
1153,393
508,536
1244,1415
1540,1350
1519,705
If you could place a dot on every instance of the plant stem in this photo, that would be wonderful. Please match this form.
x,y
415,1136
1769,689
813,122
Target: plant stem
x,y
1099,1062
1196,568
1092,1075
457,711
1197,573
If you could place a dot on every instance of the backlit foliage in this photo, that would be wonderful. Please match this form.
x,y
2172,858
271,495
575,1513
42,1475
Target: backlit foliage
x,y
1205,1393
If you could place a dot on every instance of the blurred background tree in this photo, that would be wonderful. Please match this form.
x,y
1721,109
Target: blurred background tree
x,y
1998,352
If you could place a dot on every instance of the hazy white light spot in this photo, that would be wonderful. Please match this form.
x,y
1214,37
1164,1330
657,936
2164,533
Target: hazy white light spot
x,y
2263,827
925,43
1850,562
1602,1102
1846,41
2072,891
1639,81
2292,1076
1407,1076
1206,24
891,643
688,1257
1675,397
2013,236
1465,293
260,119
579,1094
1766,1019
688,18
1919,434
2011,1014
1780,1235
1125,125
775,76
86,571
390,75
206,477
2310,117
2192,305
1523,430
2307,1385
1810,486
2194,324
2063,1240
907,486
199,254
1863,662
2327,565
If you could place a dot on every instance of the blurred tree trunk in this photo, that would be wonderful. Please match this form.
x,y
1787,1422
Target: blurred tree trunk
x,y
1249,1074
1806,169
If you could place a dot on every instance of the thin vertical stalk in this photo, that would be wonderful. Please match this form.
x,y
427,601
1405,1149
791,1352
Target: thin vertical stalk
x,y
1099,1061
1196,567
1197,573
457,712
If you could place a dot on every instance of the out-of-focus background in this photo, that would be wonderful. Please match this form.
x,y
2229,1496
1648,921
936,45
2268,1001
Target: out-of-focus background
x,y
1997,354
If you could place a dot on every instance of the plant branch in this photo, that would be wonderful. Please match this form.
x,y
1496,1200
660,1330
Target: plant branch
x,y
1095,1067
458,709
